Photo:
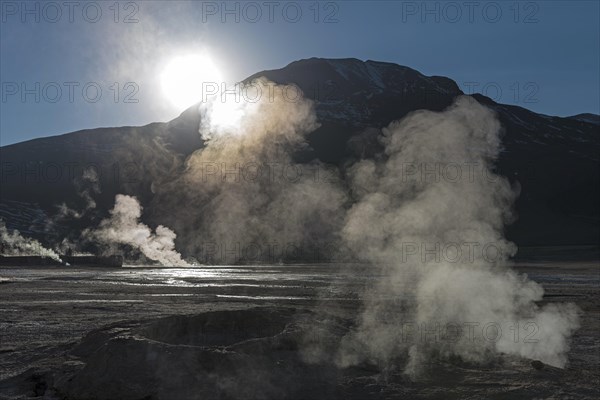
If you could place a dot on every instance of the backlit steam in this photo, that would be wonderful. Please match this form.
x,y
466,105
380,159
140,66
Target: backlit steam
x,y
246,196
14,244
447,291
224,116
124,227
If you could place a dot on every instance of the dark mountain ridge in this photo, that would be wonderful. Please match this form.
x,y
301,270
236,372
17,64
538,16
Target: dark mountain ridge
x,y
553,159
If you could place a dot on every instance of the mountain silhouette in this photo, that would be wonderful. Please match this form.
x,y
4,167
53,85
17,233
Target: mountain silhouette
x,y
553,160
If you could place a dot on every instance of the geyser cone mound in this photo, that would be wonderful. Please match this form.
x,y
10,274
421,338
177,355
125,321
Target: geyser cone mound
x,y
253,353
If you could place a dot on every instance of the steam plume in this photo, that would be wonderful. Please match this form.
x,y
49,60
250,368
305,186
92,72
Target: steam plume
x,y
250,198
123,227
14,244
434,233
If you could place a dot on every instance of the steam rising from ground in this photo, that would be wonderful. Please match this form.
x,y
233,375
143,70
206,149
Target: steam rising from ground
x,y
14,244
124,227
247,197
443,242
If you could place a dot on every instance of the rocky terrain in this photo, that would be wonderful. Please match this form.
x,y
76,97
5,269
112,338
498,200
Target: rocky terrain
x,y
264,332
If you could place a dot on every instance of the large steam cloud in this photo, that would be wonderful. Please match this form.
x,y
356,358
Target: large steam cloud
x,y
247,198
441,238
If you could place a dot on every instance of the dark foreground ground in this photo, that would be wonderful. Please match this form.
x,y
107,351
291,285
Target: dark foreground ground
x,y
243,333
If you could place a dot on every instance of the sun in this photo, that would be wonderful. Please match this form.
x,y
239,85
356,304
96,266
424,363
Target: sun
x,y
183,77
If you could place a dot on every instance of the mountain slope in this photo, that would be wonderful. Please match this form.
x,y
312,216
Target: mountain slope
x,y
553,159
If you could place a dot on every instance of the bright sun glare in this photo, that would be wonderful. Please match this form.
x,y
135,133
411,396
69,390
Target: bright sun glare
x,y
182,79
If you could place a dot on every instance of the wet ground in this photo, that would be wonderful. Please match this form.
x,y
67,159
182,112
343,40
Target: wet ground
x,y
45,312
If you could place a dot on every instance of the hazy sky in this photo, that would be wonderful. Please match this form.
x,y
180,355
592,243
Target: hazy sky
x,y
74,65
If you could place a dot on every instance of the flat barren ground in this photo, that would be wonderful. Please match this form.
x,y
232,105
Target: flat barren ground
x,y
238,320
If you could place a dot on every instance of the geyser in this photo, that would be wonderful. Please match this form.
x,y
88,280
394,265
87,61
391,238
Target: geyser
x,y
231,205
14,244
123,227
415,224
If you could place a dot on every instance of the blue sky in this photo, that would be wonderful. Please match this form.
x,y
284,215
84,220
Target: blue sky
x,y
542,55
